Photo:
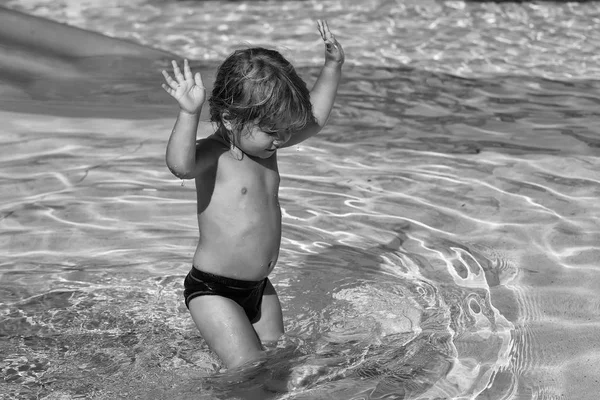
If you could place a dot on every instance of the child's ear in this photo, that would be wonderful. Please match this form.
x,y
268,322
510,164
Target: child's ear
x,y
226,120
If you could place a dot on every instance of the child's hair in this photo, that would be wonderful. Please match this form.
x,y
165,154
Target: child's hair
x,y
259,85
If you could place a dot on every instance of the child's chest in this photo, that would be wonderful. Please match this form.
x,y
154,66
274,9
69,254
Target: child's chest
x,y
250,178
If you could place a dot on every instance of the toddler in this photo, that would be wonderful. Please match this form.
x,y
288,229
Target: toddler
x,y
258,105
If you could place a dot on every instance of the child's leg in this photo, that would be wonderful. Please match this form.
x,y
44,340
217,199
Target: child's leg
x,y
269,327
226,329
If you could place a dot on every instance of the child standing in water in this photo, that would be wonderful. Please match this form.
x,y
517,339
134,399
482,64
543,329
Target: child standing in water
x,y
258,105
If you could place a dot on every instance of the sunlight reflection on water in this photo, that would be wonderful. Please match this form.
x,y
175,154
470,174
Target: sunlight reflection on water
x,y
440,236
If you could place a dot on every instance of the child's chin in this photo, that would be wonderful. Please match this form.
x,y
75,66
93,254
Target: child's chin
x,y
260,153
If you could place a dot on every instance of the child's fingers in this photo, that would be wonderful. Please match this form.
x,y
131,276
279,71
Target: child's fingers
x,y
321,28
177,71
329,37
168,89
198,80
326,28
326,34
169,80
186,70
326,31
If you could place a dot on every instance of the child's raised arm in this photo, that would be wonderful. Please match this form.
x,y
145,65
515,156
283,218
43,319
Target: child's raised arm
x,y
190,93
322,95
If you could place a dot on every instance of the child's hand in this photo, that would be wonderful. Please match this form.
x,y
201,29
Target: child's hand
x,y
188,90
333,49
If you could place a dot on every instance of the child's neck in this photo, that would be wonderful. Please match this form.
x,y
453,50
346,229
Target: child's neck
x,y
226,137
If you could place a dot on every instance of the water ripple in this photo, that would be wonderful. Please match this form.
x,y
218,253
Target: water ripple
x,y
440,235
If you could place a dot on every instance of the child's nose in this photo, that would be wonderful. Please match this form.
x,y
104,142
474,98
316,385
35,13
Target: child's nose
x,y
281,139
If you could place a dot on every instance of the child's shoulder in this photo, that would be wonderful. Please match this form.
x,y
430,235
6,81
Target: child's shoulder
x,y
212,146
211,142
209,152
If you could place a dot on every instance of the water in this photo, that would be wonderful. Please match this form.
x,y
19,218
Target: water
x,y
441,235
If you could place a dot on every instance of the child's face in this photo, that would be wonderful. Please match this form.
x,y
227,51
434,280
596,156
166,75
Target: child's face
x,y
257,143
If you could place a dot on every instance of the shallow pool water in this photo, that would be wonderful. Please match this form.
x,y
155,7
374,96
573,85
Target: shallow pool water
x,y
441,236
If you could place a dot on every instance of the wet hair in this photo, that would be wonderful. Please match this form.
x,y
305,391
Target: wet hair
x,y
259,86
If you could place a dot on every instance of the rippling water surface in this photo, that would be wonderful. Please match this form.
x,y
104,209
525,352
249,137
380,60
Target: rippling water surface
x,y
441,235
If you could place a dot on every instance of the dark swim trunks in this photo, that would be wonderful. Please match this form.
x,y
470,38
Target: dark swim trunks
x,y
248,294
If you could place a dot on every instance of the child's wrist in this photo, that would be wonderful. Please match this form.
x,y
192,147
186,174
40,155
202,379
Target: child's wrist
x,y
191,114
333,64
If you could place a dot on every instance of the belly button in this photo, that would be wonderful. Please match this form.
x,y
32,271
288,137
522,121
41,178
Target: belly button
x,y
244,190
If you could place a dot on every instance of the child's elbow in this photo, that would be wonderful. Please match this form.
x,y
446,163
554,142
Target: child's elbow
x,y
320,120
179,171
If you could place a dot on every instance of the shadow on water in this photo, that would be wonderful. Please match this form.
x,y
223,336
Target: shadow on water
x,y
52,68
56,69
449,114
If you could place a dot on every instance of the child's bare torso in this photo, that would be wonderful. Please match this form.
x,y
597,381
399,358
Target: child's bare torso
x,y
239,217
